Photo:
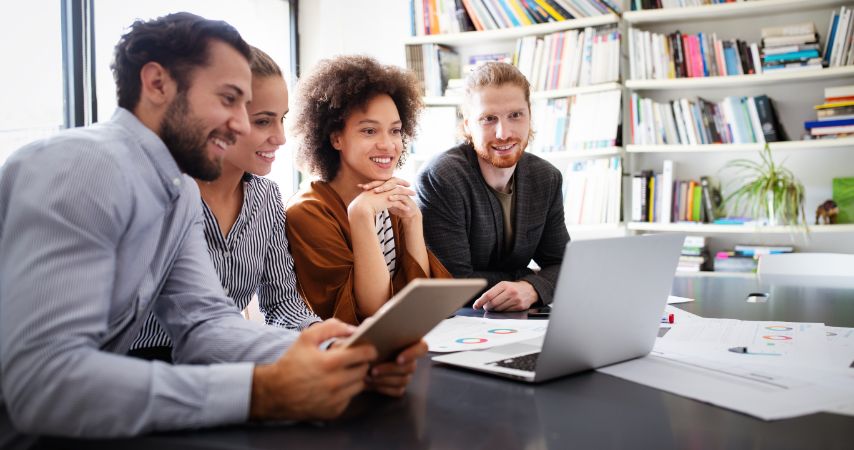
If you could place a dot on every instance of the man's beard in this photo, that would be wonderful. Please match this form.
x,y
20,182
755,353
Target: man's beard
x,y
500,162
185,138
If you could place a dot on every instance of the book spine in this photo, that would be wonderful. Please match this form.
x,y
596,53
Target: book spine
x,y
697,203
708,204
690,197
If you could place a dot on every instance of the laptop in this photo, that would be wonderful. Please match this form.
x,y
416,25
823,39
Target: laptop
x,y
606,309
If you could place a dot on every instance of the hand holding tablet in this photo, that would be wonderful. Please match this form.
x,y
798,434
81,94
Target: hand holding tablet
x,y
413,312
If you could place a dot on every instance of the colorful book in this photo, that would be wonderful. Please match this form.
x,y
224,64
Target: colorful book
x,y
828,123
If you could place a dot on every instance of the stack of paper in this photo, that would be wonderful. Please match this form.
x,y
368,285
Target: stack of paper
x,y
770,370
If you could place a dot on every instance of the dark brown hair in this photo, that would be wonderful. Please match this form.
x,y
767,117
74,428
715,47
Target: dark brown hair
x,y
326,97
179,42
262,64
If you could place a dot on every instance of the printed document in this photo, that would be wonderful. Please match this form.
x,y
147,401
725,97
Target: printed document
x,y
477,333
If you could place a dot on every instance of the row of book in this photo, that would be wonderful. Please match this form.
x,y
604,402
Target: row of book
x,y
592,193
835,117
584,121
745,257
733,120
455,16
839,50
655,56
783,48
434,65
640,5
661,198
570,58
555,61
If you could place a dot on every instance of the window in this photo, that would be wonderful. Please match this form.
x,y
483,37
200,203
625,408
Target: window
x,y
35,105
32,74
262,23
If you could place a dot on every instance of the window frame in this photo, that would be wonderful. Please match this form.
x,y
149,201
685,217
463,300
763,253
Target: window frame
x,y
78,59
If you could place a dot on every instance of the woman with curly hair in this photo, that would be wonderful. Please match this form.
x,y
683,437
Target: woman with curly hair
x,y
355,232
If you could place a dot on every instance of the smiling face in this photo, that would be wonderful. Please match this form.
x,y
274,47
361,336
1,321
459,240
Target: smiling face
x,y
371,141
204,120
255,151
499,122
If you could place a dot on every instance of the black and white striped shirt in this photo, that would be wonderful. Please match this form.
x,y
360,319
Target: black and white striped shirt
x,y
252,257
385,234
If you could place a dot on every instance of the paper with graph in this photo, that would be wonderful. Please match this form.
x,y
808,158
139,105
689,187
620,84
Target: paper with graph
x,y
786,369
762,342
476,333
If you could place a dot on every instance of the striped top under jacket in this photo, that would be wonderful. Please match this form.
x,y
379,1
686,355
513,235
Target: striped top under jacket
x,y
252,258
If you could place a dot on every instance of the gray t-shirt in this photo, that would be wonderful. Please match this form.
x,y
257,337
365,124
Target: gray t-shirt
x,y
508,209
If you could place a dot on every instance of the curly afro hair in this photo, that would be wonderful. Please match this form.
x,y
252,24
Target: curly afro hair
x,y
336,87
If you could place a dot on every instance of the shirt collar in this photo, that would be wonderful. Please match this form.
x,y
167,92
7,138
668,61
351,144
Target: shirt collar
x,y
156,151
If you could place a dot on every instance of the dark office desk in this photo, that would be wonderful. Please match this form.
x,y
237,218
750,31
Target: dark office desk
x,y
447,408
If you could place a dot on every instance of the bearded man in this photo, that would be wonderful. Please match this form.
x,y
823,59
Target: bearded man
x,y
101,225
489,207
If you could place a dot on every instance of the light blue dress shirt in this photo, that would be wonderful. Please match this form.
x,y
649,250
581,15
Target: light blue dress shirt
x,y
81,218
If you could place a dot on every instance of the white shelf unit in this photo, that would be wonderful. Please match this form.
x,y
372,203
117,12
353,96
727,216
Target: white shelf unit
x,y
707,228
737,81
504,40
566,156
814,162
724,10
598,227
488,36
841,143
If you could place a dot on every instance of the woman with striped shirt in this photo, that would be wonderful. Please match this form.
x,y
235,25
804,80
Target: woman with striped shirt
x,y
245,221
356,233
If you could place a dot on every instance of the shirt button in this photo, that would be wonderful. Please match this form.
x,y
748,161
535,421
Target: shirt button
x,y
176,181
226,291
227,254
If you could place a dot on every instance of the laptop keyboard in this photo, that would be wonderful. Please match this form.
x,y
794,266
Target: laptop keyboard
x,y
525,362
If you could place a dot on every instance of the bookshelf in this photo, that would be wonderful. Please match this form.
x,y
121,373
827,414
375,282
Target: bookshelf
x,y
570,157
505,34
724,11
814,162
841,144
740,81
706,228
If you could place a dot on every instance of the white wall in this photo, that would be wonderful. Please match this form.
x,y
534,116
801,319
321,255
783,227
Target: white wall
x,y
334,27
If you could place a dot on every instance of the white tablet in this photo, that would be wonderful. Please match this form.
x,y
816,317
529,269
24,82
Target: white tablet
x,y
412,313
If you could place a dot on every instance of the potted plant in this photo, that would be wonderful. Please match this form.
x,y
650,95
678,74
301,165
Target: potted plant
x,y
768,191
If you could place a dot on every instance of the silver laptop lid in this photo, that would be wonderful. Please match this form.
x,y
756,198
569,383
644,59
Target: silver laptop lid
x,y
608,302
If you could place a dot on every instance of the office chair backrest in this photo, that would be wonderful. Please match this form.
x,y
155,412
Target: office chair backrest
x,y
807,264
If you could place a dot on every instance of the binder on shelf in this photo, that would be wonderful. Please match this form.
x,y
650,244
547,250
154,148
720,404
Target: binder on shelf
x,y
771,129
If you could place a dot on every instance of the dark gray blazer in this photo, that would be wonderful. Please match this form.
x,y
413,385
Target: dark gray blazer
x,y
463,223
